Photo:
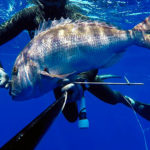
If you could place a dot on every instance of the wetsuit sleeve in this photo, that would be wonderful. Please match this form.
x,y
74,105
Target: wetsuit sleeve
x,y
16,24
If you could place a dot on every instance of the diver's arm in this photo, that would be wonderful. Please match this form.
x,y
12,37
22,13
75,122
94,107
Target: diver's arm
x,y
12,28
4,79
19,22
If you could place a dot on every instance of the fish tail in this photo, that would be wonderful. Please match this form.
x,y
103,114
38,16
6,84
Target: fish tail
x,y
141,33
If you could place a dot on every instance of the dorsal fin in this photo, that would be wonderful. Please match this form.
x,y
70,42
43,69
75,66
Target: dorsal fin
x,y
49,24
62,21
43,26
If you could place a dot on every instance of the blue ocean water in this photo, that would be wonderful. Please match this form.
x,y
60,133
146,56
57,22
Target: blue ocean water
x,y
111,127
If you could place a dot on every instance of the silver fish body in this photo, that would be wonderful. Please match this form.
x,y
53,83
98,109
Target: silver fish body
x,y
67,48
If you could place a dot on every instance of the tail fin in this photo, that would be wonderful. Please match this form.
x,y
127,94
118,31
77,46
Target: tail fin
x,y
141,33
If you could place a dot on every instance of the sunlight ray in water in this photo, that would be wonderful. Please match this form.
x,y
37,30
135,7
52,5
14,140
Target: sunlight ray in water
x,y
116,9
8,8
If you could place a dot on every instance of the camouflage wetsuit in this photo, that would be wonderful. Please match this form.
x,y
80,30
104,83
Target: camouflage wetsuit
x,y
29,19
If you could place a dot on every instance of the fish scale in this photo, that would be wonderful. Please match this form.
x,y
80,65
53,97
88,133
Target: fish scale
x,y
66,49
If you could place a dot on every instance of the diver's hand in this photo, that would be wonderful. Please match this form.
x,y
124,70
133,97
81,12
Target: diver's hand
x,y
3,79
75,91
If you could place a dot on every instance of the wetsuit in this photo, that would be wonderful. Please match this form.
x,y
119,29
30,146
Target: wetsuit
x,y
29,19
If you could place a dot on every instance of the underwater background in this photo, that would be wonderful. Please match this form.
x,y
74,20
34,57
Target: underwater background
x,y
112,127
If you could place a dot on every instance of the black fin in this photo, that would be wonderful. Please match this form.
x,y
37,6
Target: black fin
x,y
70,111
142,109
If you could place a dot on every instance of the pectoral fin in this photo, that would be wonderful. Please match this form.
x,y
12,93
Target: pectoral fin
x,y
62,76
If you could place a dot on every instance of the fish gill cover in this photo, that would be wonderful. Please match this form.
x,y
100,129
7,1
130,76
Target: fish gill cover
x,y
111,126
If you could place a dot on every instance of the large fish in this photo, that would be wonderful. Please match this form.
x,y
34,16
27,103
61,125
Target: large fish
x,y
67,49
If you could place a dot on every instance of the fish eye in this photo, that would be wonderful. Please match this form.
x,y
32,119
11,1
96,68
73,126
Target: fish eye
x,y
15,71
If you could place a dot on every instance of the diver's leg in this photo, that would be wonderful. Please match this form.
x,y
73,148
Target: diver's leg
x,y
107,95
141,108
104,93
100,91
70,110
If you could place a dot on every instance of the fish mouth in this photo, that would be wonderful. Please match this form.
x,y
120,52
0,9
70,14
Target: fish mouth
x,y
17,94
14,93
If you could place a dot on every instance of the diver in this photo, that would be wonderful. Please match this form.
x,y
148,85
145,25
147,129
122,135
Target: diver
x,y
29,19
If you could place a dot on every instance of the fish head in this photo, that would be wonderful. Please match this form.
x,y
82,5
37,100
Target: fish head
x,y
27,82
23,81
